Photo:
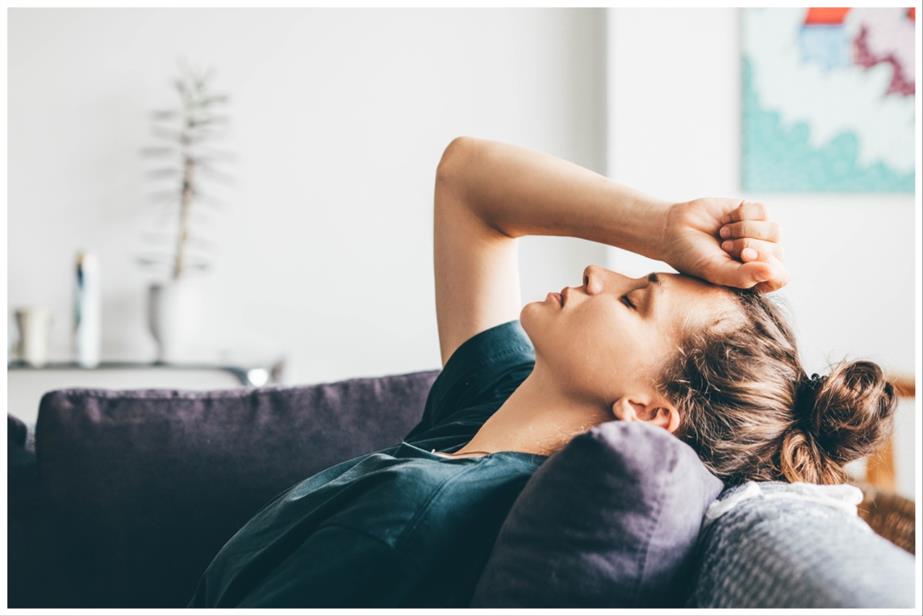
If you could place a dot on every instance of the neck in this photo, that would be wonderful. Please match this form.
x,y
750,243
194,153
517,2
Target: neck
x,y
539,417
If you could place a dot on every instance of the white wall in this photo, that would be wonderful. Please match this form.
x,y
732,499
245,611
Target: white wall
x,y
674,131
340,116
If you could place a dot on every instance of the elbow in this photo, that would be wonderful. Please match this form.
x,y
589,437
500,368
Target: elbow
x,y
453,161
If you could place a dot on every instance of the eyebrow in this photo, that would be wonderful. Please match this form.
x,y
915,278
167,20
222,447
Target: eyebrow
x,y
654,279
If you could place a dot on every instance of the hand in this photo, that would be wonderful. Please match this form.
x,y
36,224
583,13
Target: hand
x,y
729,242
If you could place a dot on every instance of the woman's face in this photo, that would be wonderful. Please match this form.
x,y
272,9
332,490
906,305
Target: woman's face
x,y
612,336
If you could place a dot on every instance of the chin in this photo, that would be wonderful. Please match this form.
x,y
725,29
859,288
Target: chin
x,y
528,312
525,314
530,318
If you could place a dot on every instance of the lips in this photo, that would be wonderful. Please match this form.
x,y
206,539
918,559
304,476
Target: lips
x,y
563,295
556,297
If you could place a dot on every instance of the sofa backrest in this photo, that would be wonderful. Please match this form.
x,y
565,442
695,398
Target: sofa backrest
x,y
133,492
137,490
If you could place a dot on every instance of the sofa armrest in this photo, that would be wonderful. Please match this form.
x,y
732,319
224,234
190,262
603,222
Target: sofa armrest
x,y
16,431
20,443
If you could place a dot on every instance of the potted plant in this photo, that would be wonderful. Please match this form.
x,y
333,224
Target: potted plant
x,y
185,160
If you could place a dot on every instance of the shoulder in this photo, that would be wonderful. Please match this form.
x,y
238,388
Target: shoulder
x,y
467,508
474,486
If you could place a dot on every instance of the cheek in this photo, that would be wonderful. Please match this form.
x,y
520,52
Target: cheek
x,y
590,343
607,335
619,348
594,347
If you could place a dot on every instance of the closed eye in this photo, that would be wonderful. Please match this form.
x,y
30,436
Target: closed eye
x,y
627,301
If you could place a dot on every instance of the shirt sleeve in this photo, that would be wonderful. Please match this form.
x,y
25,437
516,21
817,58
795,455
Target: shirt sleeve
x,y
476,380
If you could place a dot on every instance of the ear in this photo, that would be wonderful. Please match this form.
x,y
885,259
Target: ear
x,y
656,413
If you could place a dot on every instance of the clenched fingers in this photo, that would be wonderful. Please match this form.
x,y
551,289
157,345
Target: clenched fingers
x,y
778,280
754,229
747,210
748,249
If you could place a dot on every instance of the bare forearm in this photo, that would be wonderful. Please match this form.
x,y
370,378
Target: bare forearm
x,y
519,192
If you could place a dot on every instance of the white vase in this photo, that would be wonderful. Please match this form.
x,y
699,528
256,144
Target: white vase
x,y
87,311
175,318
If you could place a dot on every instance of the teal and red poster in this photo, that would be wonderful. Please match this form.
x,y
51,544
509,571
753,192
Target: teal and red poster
x,y
828,100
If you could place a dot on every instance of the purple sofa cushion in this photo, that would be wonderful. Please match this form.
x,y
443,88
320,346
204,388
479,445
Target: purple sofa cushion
x,y
609,521
143,487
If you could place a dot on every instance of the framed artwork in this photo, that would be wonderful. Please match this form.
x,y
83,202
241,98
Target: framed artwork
x,y
828,100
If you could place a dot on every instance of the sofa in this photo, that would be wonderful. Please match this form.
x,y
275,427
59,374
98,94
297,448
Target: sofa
x,y
120,498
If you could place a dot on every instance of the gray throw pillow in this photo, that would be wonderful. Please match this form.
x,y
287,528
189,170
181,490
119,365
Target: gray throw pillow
x,y
780,549
609,521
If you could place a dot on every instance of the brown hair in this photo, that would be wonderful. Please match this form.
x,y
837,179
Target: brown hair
x,y
751,413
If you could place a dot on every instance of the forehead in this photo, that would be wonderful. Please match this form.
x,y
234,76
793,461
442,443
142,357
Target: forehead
x,y
681,283
694,302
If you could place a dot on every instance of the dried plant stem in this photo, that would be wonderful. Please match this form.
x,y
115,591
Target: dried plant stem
x,y
187,132
185,206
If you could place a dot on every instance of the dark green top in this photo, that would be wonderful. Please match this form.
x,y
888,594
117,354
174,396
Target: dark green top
x,y
401,527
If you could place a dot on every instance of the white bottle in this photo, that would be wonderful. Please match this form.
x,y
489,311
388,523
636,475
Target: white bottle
x,y
87,335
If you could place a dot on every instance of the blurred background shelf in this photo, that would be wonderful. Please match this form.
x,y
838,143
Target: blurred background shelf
x,y
27,383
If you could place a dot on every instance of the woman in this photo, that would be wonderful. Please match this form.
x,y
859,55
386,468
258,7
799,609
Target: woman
x,y
701,354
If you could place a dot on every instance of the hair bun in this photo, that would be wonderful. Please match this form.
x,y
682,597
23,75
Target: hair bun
x,y
853,406
841,417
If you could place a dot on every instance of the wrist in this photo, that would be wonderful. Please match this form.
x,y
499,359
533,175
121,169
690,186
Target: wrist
x,y
644,228
628,218
660,222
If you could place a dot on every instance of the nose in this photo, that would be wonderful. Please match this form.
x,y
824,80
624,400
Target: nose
x,y
595,279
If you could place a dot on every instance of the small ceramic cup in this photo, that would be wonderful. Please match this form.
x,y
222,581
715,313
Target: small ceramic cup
x,y
34,323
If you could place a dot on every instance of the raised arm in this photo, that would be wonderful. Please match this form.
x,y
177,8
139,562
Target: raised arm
x,y
490,193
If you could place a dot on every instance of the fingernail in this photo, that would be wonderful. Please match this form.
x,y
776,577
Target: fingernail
x,y
725,231
727,245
